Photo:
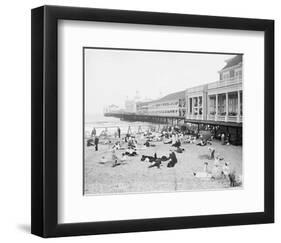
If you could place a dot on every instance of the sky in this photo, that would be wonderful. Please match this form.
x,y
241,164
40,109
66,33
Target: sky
x,y
111,76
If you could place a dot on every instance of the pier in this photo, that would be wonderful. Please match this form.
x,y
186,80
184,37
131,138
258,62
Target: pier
x,y
234,129
130,116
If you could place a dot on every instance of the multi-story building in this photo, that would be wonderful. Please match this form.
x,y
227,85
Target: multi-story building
x,y
130,106
142,107
220,100
170,105
112,108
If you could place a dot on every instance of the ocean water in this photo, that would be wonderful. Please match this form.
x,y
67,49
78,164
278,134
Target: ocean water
x,y
100,123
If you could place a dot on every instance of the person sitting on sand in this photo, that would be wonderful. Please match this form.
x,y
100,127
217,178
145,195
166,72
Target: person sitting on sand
x,y
173,159
148,144
174,139
234,179
156,163
177,144
124,157
216,171
192,139
114,158
226,170
117,146
94,132
186,139
131,152
90,142
131,143
203,174
202,143
217,161
212,152
219,157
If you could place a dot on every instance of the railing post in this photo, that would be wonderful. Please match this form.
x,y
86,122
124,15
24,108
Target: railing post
x,y
216,115
238,103
226,106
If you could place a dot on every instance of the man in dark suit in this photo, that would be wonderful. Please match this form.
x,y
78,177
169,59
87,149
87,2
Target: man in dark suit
x,y
96,142
119,132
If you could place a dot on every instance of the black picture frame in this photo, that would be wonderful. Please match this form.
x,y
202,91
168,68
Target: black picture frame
x,y
44,119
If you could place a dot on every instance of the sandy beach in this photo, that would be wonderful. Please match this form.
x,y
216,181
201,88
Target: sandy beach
x,y
134,176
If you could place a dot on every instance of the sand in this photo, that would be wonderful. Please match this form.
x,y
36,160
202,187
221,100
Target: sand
x,y
134,176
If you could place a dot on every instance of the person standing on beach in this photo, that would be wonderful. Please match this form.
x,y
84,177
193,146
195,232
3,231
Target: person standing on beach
x,y
94,132
97,143
129,132
119,132
223,139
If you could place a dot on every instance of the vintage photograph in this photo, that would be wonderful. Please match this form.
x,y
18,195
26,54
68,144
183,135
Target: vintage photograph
x,y
161,121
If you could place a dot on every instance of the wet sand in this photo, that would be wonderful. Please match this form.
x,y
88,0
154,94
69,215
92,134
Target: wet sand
x,y
134,176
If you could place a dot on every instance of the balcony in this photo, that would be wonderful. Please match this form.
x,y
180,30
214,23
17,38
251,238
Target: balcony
x,y
194,117
225,118
224,83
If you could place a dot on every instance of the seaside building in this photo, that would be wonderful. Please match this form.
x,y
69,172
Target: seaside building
x,y
130,106
172,105
217,104
220,100
112,108
142,107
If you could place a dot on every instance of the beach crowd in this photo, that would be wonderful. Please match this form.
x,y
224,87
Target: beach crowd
x,y
131,144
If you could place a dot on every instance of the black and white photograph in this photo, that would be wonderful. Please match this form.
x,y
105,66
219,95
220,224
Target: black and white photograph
x,y
150,121
161,121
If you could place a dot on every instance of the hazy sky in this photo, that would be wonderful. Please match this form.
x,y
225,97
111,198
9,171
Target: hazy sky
x,y
113,75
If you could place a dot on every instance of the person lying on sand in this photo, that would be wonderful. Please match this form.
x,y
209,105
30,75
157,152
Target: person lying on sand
x,y
103,160
148,144
179,150
202,143
148,158
156,163
168,141
131,152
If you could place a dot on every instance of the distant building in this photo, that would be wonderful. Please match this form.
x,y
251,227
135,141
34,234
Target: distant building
x,y
112,108
130,105
142,107
220,100
170,105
